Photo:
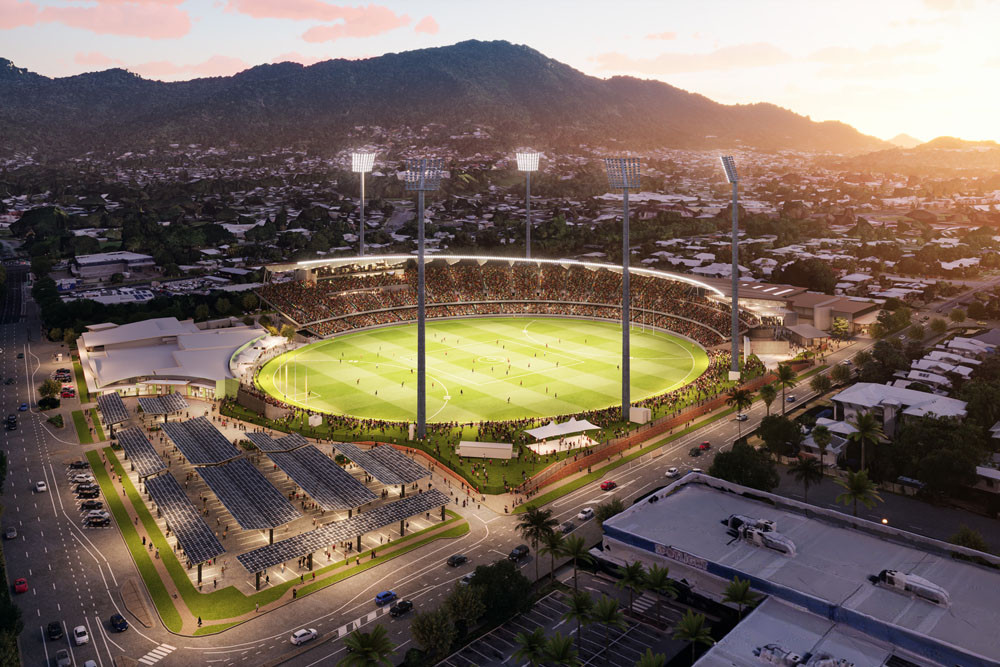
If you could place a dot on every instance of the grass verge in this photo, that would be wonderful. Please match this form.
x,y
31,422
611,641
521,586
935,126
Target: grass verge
x,y
81,383
82,430
98,429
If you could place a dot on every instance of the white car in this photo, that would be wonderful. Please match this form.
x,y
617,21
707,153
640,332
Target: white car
x,y
741,417
41,487
81,478
696,470
672,472
80,636
303,635
97,514
585,513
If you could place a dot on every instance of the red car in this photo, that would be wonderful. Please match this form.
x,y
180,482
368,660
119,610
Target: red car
x,y
705,445
68,394
607,485
21,585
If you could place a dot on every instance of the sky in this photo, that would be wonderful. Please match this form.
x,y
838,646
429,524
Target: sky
x,y
923,67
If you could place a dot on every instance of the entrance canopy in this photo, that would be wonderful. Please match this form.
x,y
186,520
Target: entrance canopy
x,y
554,430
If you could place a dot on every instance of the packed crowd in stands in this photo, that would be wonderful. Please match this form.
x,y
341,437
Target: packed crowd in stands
x,y
339,301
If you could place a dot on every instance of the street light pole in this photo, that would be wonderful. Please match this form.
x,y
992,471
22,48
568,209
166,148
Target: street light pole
x,y
527,162
731,175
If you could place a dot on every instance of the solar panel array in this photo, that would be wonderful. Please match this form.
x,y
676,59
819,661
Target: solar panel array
x,y
140,451
249,497
332,487
266,443
194,535
162,405
113,408
384,463
200,442
306,543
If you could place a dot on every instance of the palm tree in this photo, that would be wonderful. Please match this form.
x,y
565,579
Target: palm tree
x,y
822,436
368,649
738,592
581,605
574,547
552,544
786,380
650,659
535,524
868,431
691,628
658,581
741,399
858,488
560,651
531,646
607,613
767,394
809,472
633,577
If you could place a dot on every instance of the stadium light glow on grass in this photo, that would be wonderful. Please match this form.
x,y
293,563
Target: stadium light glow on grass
x,y
482,369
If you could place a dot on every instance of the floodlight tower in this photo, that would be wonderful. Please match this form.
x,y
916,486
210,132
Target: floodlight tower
x,y
362,163
734,365
422,175
527,162
623,174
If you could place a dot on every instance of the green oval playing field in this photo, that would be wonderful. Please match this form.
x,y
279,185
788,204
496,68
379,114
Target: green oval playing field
x,y
480,369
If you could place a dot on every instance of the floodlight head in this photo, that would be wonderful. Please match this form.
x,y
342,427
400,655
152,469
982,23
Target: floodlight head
x,y
623,172
362,163
423,174
730,166
527,161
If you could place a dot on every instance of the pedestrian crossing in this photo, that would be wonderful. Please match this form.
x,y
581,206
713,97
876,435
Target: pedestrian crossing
x,y
157,654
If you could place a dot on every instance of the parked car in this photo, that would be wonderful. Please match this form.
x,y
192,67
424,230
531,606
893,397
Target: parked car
x,y
81,478
97,521
88,493
41,486
63,659
608,484
567,526
21,585
302,636
518,552
457,559
400,608
385,597
91,505
585,513
705,445
10,532
694,452
118,623
79,464
67,393
55,630
672,472
80,636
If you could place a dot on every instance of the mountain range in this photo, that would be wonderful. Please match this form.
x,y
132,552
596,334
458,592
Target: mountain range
x,y
517,92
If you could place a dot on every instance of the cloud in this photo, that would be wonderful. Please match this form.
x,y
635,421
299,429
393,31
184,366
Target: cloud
x,y
94,58
842,55
374,20
427,25
154,19
728,58
669,36
214,66
362,21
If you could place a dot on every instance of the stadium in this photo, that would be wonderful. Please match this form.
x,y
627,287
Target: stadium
x,y
507,339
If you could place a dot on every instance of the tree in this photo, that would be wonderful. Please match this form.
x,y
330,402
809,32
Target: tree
x,y
504,588
434,632
368,649
608,509
822,436
288,331
201,312
778,433
814,274
738,593
49,389
633,578
650,659
249,301
741,399
574,547
223,306
55,334
938,326
840,374
607,613
691,628
745,465
69,337
820,383
867,431
786,380
465,605
858,489
840,328
970,539
767,394
559,650
957,315
658,581
552,545
530,646
916,332
983,401
808,472
580,606
942,452
535,524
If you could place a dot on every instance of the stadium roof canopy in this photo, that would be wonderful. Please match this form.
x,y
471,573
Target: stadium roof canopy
x,y
402,259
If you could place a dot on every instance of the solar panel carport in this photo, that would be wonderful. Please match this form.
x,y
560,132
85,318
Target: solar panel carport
x,y
385,463
163,405
200,442
249,497
112,408
332,487
140,452
193,534
266,443
305,544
